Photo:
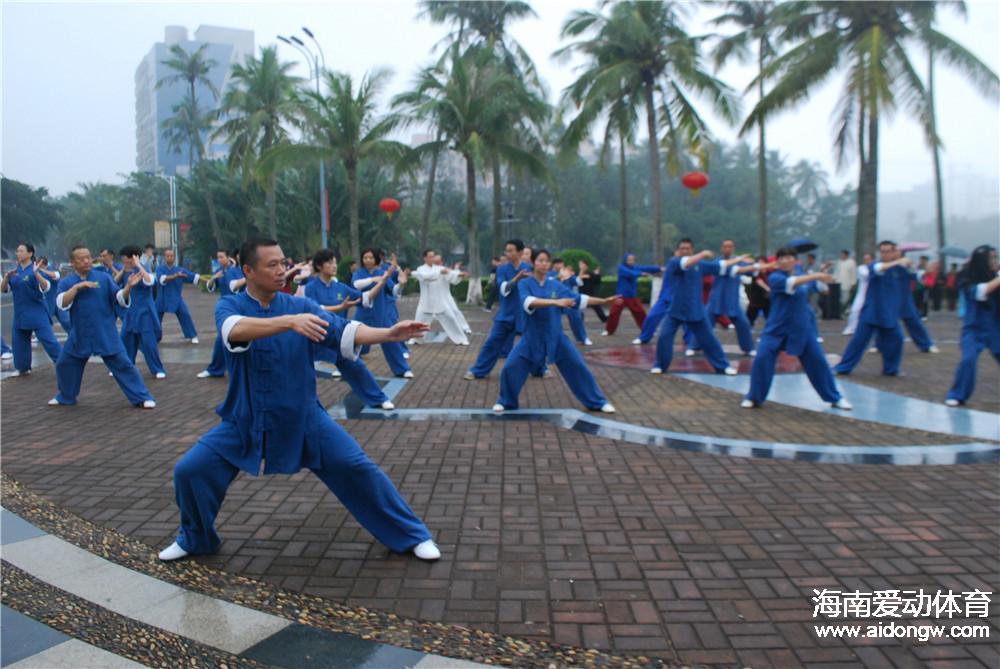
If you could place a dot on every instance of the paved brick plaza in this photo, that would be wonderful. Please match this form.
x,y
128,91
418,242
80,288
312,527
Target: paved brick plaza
x,y
553,534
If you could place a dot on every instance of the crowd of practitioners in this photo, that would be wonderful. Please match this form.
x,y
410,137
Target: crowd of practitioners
x,y
275,316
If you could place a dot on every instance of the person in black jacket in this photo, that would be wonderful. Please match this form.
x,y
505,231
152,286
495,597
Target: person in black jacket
x,y
591,286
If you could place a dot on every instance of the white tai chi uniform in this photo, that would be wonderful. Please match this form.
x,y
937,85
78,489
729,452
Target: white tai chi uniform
x,y
859,301
435,295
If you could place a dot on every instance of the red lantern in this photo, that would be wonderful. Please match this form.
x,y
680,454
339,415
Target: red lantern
x,y
390,206
695,181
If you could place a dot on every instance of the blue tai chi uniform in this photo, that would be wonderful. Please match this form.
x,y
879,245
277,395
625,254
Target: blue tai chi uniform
x,y
391,307
141,327
575,316
50,300
93,333
506,324
169,297
724,300
791,328
272,417
544,341
658,312
379,314
908,311
686,308
980,329
879,317
224,284
31,315
357,375
119,309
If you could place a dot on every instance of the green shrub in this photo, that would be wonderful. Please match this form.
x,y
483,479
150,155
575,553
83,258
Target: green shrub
x,y
572,257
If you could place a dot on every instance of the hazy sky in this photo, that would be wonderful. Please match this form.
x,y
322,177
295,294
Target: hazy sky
x,y
69,96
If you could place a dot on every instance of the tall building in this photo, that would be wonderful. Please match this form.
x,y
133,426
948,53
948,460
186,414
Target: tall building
x,y
153,105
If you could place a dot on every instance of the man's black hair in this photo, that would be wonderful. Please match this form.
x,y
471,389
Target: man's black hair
x,y
130,250
518,244
322,257
786,251
248,253
886,241
684,240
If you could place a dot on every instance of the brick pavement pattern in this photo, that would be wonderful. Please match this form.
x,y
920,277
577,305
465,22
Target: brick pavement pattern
x,y
548,533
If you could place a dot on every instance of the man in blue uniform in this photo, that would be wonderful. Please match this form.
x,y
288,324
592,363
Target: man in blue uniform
x,y
53,276
505,324
791,328
90,295
272,418
880,314
724,300
108,265
31,314
228,279
171,279
685,271
908,309
141,327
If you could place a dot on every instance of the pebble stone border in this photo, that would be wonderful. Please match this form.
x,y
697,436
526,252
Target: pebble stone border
x,y
111,631
436,638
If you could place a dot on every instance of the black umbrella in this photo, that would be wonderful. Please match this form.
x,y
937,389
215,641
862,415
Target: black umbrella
x,y
954,251
802,245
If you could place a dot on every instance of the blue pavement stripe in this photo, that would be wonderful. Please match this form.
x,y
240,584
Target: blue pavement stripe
x,y
299,646
870,404
13,528
24,636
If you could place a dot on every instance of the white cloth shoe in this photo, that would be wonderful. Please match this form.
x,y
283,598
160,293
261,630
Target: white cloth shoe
x,y
172,552
427,550
689,353
747,404
54,403
656,370
161,375
468,376
406,355
7,356
948,402
203,374
407,374
194,340
149,404
336,374
730,371
388,406
842,404
588,342
637,342
933,349
608,408
604,334
19,373
498,407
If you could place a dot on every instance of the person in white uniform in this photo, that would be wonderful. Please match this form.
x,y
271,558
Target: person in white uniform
x,y
859,297
456,313
435,294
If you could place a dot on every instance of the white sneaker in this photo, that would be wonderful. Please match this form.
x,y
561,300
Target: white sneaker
x,y
388,406
689,353
194,340
730,371
948,402
731,327
406,355
933,349
819,339
463,343
656,370
752,354
427,550
872,349
747,404
149,404
547,374
19,373
336,374
498,407
111,373
7,356
407,374
842,404
588,342
161,375
608,408
172,552
604,333
469,376
203,374
637,342
54,403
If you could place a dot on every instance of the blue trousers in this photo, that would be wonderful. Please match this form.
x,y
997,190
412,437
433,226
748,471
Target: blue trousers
x,y
703,337
653,319
918,333
575,317
358,377
744,332
570,363
973,343
69,374
145,342
184,318
813,362
63,318
202,476
889,342
500,339
217,367
22,345
393,352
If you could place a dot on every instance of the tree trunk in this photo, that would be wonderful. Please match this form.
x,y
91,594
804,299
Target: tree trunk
x,y
352,203
497,192
762,159
866,233
271,201
475,290
859,238
213,219
654,172
425,220
938,190
623,196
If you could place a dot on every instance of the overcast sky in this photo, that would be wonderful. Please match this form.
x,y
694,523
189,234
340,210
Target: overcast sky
x,y
69,95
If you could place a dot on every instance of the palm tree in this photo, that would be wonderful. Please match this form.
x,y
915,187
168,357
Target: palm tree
x,y
193,69
641,49
868,40
260,98
809,182
954,54
755,19
343,126
183,128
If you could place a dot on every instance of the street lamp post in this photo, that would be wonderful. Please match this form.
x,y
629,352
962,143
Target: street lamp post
x,y
313,63
174,236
